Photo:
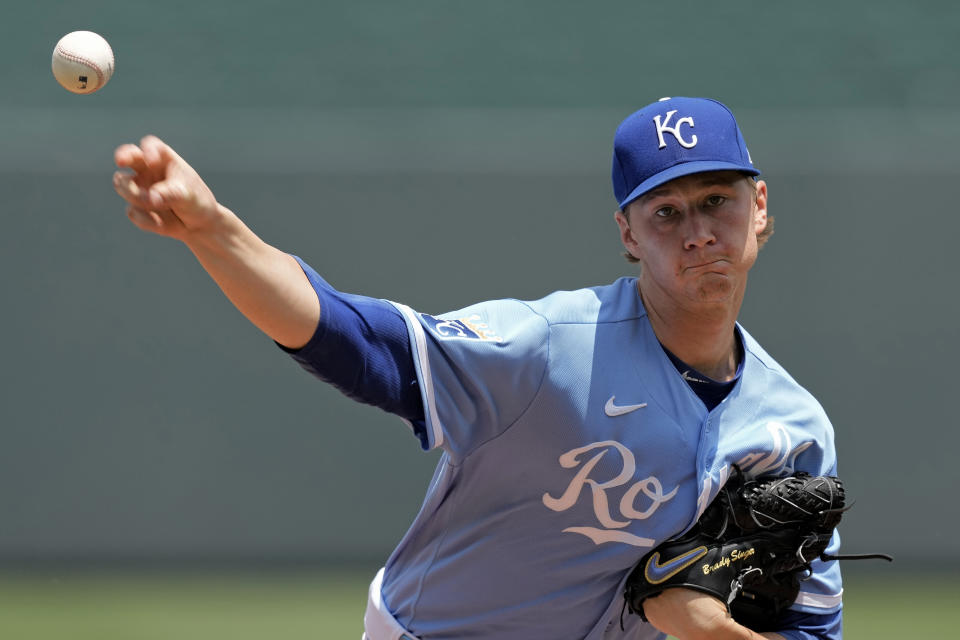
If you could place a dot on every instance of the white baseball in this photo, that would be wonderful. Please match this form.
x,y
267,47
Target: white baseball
x,y
82,62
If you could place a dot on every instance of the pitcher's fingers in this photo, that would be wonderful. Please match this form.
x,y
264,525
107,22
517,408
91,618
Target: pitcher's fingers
x,y
129,189
130,156
156,152
143,219
169,194
162,222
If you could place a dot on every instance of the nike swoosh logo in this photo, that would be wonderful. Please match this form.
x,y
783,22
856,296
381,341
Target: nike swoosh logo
x,y
614,410
655,572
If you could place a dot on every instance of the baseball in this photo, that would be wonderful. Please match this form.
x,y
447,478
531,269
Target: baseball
x,y
82,62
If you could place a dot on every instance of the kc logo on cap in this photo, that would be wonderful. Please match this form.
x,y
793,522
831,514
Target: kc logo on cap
x,y
674,137
675,130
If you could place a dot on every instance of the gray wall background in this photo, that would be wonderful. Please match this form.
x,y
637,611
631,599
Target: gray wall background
x,y
440,153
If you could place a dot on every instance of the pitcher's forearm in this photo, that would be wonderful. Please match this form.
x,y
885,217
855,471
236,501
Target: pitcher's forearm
x,y
265,284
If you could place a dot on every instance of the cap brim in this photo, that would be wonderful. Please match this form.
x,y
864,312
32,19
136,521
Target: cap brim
x,y
685,169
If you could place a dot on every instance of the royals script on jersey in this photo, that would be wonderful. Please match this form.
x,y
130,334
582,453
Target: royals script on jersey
x,y
571,446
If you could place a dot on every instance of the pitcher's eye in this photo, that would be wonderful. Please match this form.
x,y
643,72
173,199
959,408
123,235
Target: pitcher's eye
x,y
665,212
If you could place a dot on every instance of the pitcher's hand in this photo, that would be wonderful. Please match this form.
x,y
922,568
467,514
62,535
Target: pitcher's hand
x,y
164,194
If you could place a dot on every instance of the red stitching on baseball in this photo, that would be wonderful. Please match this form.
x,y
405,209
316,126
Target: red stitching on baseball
x,y
90,63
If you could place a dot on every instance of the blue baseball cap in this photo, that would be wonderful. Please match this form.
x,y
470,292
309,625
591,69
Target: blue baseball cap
x,y
675,137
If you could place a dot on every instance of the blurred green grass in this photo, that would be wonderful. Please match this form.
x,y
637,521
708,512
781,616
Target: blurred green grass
x,y
329,604
187,606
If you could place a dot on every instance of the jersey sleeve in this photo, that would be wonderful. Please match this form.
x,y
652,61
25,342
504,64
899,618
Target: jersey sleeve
x,y
360,346
478,370
822,592
811,626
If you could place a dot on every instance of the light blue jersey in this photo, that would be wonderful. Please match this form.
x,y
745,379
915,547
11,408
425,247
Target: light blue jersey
x,y
572,446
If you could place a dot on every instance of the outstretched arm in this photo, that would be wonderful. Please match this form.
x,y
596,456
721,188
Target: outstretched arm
x,y
166,196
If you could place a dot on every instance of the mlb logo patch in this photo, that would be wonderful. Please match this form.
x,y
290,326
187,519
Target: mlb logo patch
x,y
469,328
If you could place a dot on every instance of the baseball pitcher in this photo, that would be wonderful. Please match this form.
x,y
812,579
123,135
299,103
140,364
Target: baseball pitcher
x,y
582,434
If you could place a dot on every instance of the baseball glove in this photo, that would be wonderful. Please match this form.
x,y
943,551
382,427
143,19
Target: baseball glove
x,y
751,548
